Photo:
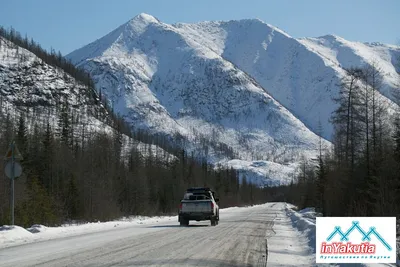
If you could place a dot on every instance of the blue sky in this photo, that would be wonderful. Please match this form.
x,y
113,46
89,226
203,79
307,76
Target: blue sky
x,y
70,24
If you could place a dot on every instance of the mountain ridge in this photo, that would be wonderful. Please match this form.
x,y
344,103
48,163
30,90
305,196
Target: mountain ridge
x,y
243,83
270,58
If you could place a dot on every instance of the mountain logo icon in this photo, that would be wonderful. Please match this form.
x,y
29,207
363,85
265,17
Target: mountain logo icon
x,y
366,235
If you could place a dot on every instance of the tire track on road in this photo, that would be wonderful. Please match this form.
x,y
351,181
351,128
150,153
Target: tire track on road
x,y
270,232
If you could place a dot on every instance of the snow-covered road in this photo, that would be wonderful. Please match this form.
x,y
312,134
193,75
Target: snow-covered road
x,y
238,240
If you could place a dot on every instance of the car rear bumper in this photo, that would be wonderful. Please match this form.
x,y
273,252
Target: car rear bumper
x,y
195,216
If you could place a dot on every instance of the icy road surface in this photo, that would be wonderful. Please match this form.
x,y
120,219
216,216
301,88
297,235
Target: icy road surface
x,y
240,239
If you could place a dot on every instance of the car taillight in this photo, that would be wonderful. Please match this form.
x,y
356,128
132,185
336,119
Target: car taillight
x,y
212,205
180,206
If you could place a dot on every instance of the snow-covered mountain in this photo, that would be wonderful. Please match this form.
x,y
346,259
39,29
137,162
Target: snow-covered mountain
x,y
302,74
31,87
162,77
244,84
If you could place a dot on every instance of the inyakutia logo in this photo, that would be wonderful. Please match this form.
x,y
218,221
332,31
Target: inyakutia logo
x,y
366,240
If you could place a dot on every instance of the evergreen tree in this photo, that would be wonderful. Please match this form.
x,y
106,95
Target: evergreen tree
x,y
321,175
117,144
32,159
321,185
345,117
48,150
21,138
64,124
8,130
72,200
38,208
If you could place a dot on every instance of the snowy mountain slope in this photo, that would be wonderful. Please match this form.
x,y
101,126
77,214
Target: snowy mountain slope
x,y
263,173
160,79
345,54
302,74
28,81
31,87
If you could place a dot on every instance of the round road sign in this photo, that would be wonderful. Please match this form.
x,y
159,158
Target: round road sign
x,y
17,169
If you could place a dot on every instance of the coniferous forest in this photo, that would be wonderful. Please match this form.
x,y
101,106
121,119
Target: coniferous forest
x,y
361,175
92,182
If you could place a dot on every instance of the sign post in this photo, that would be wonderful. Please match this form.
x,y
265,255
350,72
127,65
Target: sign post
x,y
13,170
12,182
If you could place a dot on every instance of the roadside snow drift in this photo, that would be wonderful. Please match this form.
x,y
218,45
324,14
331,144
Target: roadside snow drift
x,y
15,235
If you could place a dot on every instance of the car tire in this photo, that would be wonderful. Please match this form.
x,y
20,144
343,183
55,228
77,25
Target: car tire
x,y
213,222
184,222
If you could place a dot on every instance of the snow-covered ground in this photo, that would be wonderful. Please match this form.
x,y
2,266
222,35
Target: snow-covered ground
x,y
16,235
263,173
240,239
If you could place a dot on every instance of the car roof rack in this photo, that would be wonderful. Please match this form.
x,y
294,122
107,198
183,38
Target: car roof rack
x,y
198,189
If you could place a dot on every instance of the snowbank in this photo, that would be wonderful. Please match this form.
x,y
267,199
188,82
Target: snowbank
x,y
16,235
398,243
287,246
304,221
12,233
